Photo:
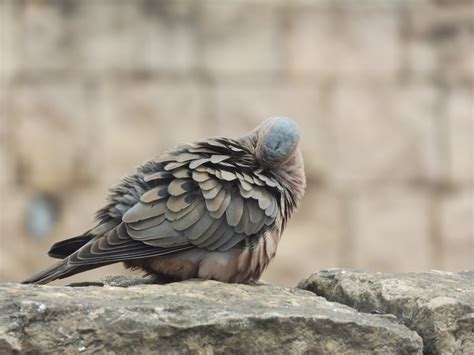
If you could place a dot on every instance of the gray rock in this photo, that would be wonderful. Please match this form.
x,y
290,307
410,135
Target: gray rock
x,y
437,305
200,317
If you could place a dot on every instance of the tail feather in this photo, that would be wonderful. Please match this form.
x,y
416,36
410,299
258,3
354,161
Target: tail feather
x,y
59,270
49,274
64,248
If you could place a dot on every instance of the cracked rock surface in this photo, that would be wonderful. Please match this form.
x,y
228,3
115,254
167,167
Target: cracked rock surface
x,y
126,315
437,305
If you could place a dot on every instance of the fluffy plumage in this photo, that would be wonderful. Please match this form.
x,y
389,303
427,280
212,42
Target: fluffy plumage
x,y
214,209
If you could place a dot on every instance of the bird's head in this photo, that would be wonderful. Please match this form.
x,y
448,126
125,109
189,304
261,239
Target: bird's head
x,y
274,141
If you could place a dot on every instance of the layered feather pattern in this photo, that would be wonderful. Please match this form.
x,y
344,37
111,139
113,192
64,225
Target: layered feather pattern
x,y
211,198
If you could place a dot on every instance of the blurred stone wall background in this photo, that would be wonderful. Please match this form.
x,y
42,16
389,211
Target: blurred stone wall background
x,y
383,92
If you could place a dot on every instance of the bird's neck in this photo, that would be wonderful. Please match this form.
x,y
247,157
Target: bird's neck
x,y
292,178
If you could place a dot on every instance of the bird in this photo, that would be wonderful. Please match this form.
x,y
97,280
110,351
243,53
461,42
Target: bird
x,y
213,209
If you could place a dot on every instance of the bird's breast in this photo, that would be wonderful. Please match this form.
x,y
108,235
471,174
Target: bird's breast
x,y
239,264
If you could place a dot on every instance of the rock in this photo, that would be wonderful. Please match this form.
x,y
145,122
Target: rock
x,y
199,317
437,305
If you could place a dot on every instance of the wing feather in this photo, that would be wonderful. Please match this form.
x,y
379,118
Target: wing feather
x,y
172,216
223,228
236,239
163,230
141,211
198,228
148,223
226,235
178,187
235,209
178,203
209,233
192,217
212,193
159,175
200,176
201,196
222,208
214,203
130,251
156,193
244,220
208,184
255,213
182,173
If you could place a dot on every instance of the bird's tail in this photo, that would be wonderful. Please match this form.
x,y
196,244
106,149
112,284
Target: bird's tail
x,y
59,270
49,274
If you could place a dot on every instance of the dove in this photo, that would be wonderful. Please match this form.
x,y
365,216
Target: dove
x,y
213,209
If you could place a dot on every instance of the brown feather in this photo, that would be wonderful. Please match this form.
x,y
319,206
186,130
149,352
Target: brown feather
x,y
155,194
235,209
213,209
222,208
192,217
143,211
147,223
214,204
208,184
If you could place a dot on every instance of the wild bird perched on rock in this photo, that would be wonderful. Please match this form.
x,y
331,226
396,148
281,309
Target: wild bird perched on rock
x,y
214,209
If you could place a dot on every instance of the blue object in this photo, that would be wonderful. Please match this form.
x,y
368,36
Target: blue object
x,y
41,216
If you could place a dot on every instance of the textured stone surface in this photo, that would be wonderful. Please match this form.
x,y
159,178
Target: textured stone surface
x,y
437,305
195,317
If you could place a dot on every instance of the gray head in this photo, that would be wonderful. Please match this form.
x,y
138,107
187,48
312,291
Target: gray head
x,y
275,140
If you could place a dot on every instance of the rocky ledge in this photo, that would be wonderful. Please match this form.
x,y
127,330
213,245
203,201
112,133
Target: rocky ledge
x,y
439,306
128,315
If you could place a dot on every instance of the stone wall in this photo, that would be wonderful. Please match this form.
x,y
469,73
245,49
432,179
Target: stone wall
x,y
381,89
345,312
